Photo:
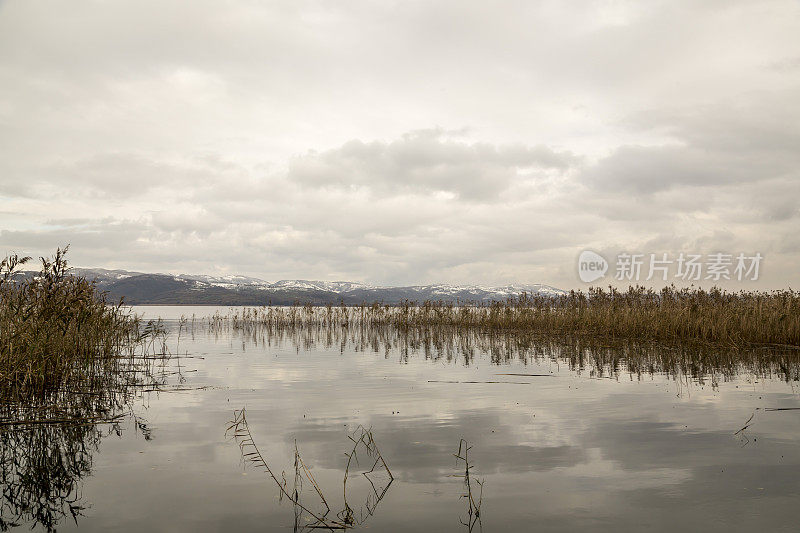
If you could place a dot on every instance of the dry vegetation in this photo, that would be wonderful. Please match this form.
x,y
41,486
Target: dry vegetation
x,y
601,357
713,316
58,332
307,515
70,367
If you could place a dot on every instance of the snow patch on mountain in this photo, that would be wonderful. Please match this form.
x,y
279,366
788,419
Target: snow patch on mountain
x,y
328,286
344,288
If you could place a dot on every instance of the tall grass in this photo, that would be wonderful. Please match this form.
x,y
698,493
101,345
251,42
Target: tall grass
x,y
600,357
70,366
713,316
58,331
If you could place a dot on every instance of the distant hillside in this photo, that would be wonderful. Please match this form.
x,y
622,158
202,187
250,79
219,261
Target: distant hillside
x,y
138,288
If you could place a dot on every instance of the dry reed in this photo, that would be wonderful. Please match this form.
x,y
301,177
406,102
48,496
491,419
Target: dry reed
x,y
57,331
601,357
712,316
306,517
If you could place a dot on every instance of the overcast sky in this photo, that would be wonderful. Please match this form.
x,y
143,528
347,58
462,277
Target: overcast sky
x,y
400,142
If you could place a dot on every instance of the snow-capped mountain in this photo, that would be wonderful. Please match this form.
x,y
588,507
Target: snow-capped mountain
x,y
330,286
102,274
506,291
228,282
342,287
140,288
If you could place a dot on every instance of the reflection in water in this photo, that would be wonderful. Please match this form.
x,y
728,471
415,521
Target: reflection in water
x,y
46,447
42,466
378,477
601,357
565,452
47,441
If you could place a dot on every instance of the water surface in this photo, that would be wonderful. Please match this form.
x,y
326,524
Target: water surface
x,y
569,446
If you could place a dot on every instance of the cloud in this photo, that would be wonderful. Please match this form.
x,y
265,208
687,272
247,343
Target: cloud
x,y
646,169
750,140
419,459
116,175
426,162
299,140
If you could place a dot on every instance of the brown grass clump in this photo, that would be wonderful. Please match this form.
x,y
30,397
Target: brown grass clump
x,y
600,357
711,316
57,331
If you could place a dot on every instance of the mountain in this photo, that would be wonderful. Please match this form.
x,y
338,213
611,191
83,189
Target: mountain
x,y
141,288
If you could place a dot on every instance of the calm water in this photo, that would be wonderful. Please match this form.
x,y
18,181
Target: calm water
x,y
565,450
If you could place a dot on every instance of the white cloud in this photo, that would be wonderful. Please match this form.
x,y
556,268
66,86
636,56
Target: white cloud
x,y
398,143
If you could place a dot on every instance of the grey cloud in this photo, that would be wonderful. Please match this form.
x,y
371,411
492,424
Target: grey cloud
x,y
647,169
110,237
759,122
425,162
787,64
751,140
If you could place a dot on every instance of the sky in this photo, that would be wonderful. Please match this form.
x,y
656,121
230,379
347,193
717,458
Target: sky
x,y
403,142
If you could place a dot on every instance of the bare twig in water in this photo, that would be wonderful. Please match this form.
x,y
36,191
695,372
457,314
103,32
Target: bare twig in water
x,y
746,424
251,454
528,375
474,506
363,438
499,382
180,389
83,420
741,432
363,442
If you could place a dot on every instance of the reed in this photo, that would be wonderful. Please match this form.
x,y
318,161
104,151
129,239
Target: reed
x,y
307,518
58,331
474,497
711,316
599,357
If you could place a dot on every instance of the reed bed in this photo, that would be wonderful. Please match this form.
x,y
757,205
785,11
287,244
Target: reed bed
x,y
600,357
711,316
58,332
71,366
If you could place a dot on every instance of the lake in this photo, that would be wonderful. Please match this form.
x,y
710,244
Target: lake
x,y
560,440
